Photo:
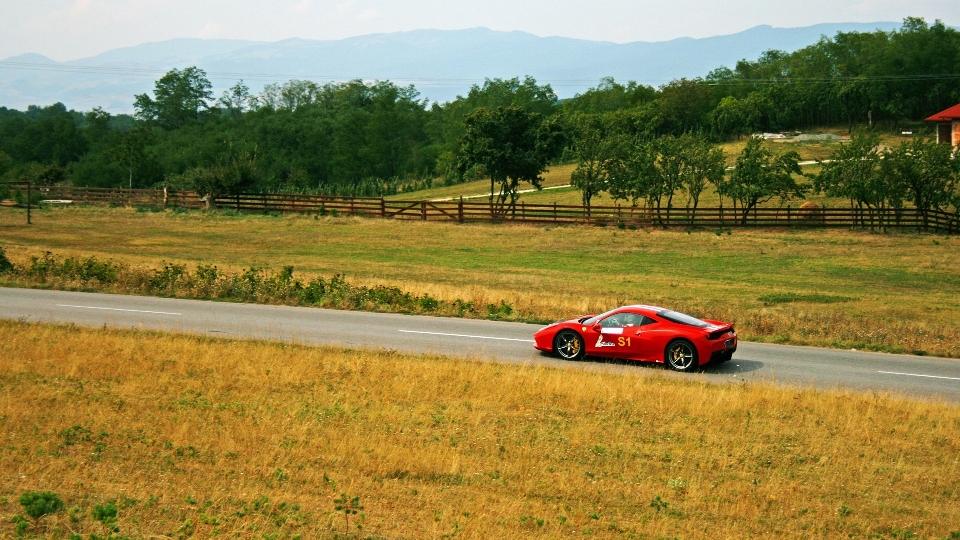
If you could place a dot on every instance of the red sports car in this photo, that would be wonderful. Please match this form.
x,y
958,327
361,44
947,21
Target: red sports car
x,y
641,333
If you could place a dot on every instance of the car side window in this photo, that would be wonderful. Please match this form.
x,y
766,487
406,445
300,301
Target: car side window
x,y
622,320
647,320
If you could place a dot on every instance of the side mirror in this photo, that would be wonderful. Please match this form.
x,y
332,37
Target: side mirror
x,y
596,328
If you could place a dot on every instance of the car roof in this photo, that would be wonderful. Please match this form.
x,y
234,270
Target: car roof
x,y
644,307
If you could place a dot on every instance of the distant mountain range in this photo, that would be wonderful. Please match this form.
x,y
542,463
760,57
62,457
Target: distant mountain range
x,y
440,63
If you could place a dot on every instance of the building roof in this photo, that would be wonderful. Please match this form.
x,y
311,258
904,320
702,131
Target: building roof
x,y
953,113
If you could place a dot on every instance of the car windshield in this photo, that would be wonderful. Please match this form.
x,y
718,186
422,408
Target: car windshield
x,y
594,320
680,318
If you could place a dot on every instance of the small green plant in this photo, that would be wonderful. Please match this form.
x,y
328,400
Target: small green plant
x,y
107,515
499,311
75,514
21,524
531,520
5,264
659,504
37,504
844,511
348,506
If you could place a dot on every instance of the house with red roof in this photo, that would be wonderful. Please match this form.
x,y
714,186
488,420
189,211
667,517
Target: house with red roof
x,y
948,125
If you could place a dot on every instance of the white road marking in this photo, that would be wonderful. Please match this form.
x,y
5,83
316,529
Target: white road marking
x,y
466,336
118,309
918,375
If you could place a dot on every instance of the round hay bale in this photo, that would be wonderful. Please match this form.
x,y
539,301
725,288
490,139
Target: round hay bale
x,y
809,210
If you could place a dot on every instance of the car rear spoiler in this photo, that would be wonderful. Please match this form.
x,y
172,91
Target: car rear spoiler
x,y
715,334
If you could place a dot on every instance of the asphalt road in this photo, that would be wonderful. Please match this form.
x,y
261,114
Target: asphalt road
x,y
506,342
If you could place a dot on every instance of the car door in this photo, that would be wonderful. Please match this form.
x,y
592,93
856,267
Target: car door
x,y
614,336
646,338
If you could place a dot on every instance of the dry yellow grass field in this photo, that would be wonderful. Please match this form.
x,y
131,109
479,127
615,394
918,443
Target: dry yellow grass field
x,y
895,292
195,437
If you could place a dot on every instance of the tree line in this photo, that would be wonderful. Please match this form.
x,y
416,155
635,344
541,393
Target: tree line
x,y
639,144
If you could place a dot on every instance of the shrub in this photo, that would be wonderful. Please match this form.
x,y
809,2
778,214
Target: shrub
x,y
106,514
37,504
5,264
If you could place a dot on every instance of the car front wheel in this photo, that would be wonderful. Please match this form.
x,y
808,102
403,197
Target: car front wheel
x,y
569,345
681,355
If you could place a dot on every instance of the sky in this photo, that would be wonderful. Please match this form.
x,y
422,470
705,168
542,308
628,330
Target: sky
x,y
72,29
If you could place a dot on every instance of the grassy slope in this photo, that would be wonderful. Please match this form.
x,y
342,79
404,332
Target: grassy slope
x,y
902,290
209,438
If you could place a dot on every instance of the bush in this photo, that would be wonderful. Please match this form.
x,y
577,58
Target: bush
x,y
37,504
106,514
5,264
253,285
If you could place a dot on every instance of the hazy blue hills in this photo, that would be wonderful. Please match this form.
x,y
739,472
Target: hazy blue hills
x,y
440,63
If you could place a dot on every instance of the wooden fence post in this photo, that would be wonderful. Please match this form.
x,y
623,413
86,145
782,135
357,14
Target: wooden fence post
x,y
383,207
554,211
523,211
423,210
788,215
28,202
460,210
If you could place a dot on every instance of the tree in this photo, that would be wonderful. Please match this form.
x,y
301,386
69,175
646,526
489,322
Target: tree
x,y
683,106
854,172
635,176
51,175
759,176
609,96
596,148
923,171
237,99
728,117
705,165
294,94
131,150
44,135
233,173
180,97
673,164
513,145
6,164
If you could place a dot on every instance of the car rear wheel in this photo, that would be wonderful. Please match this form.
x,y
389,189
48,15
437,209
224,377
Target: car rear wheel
x,y
569,345
681,355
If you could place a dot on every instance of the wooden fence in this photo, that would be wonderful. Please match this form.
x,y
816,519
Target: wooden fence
x,y
472,212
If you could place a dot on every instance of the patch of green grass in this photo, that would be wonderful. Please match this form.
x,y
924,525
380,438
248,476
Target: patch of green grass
x,y
812,298
840,285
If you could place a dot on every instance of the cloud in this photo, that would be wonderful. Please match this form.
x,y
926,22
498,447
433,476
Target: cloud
x,y
210,30
368,14
81,5
301,7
